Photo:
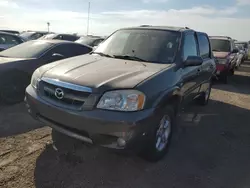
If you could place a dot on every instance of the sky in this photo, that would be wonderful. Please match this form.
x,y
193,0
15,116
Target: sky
x,y
215,17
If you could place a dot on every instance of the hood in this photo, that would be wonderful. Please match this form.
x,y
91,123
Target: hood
x,y
8,59
101,73
221,54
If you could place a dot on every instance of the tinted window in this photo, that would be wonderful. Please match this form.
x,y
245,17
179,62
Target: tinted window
x,y
69,37
204,46
9,39
155,46
190,46
69,50
97,42
220,45
27,35
30,49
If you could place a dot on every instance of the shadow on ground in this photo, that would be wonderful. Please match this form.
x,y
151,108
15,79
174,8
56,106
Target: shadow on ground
x,y
239,82
21,122
213,151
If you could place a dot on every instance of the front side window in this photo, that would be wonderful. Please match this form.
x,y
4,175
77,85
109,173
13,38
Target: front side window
x,y
204,46
220,45
190,46
157,46
30,49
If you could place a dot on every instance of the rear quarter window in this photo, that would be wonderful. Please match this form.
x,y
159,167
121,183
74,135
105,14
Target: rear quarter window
x,y
204,46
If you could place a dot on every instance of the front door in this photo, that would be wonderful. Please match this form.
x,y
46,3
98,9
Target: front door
x,y
191,75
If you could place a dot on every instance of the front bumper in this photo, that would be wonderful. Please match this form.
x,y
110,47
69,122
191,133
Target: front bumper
x,y
100,127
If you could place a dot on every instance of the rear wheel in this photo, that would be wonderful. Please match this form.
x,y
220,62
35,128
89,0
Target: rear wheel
x,y
13,87
161,137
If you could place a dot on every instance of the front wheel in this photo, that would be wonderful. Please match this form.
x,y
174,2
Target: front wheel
x,y
159,142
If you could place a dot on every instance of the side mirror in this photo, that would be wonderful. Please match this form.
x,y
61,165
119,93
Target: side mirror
x,y
235,50
193,61
57,56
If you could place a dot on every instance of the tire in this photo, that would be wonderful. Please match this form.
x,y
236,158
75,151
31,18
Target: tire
x,y
204,96
13,87
153,152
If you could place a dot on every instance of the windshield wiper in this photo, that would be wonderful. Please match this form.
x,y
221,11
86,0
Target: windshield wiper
x,y
216,50
102,54
128,57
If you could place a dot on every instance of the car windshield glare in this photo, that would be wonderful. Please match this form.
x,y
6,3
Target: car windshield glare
x,y
30,49
156,46
220,45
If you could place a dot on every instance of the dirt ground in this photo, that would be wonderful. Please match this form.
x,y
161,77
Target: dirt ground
x,y
213,151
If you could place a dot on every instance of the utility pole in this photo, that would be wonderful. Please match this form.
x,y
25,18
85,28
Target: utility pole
x,y
48,26
88,19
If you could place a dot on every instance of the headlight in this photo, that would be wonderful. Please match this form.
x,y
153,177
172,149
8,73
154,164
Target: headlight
x,y
35,78
122,100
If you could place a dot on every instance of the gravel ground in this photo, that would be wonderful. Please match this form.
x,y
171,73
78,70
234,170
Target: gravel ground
x,y
213,151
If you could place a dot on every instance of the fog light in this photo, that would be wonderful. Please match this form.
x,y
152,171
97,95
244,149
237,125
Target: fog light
x,y
121,142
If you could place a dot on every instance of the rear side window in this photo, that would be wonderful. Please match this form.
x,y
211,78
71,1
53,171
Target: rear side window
x,y
204,46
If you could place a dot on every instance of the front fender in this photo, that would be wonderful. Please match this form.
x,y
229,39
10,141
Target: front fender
x,y
167,95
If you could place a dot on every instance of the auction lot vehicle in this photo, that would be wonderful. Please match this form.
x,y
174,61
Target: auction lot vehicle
x,y
8,40
127,93
225,52
60,36
33,35
246,47
92,41
240,55
18,63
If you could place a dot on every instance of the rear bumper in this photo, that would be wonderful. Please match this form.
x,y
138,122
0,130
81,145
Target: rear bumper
x,y
100,127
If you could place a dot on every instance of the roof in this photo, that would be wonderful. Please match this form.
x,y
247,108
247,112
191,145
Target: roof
x,y
54,41
221,37
169,28
6,33
240,42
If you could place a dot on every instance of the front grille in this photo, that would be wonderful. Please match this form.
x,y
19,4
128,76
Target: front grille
x,y
71,98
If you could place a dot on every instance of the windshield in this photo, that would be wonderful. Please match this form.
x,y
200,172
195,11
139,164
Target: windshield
x,y
30,49
156,46
220,45
86,40
26,35
240,47
244,44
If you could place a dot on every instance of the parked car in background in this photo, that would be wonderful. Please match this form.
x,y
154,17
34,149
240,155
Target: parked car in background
x,y
10,31
225,52
127,93
18,63
240,55
90,40
8,40
67,37
246,48
32,35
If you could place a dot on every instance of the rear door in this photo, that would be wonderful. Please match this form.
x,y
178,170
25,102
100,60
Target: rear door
x,y
205,52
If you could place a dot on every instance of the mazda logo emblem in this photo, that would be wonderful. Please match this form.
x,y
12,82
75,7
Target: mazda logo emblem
x,y
59,93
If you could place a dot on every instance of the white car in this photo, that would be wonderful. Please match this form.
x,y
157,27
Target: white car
x,y
240,55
